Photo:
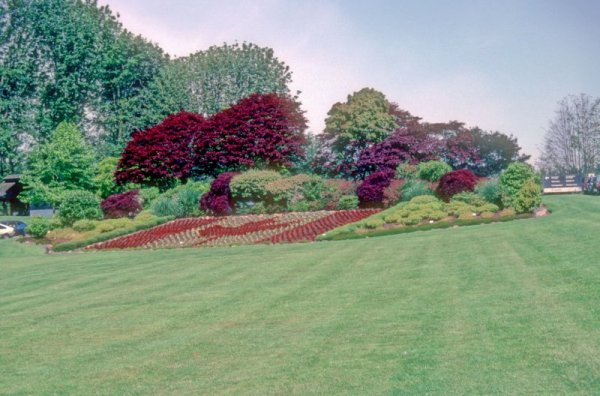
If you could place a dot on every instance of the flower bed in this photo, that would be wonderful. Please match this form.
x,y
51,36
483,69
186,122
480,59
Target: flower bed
x,y
237,230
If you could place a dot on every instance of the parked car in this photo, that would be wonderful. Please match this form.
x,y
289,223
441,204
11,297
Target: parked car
x,y
6,231
19,226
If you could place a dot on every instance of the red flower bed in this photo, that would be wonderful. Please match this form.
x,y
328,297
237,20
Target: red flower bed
x,y
310,231
237,230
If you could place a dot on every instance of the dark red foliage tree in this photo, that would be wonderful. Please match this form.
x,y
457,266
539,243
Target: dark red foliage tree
x,y
126,204
266,130
456,182
371,191
161,153
458,148
218,200
396,149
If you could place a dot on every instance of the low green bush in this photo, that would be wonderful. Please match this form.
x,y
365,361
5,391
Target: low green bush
x,y
251,185
412,219
85,225
487,215
488,207
79,205
456,208
148,195
469,198
489,191
144,216
406,171
189,202
374,223
507,212
467,216
38,226
165,206
528,197
297,193
113,224
347,202
55,223
432,171
414,188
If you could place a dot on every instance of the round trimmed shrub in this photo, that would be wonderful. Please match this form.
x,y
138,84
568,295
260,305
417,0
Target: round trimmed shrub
x,y
432,171
374,223
456,182
79,205
513,178
38,226
529,196
251,185
127,204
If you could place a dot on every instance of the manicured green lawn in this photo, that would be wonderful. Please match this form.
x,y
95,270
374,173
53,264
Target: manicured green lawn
x,y
511,308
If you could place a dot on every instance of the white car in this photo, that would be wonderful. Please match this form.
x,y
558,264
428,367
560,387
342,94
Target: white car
x,y
6,231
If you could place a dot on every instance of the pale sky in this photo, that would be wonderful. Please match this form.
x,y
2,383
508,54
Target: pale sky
x,y
500,65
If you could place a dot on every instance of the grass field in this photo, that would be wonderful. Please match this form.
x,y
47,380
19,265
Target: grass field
x,y
511,308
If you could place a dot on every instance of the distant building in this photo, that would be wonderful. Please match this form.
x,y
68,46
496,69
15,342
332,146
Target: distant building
x,y
10,188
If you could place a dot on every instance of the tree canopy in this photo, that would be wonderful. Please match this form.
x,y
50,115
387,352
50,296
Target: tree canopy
x,y
162,153
72,61
209,81
364,118
258,131
572,141
64,163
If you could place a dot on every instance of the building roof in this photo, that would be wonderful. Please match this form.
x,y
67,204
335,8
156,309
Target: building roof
x,y
12,178
4,187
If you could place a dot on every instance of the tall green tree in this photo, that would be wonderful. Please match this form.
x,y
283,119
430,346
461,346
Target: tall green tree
x,y
64,163
209,81
69,60
365,118
495,151
18,69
